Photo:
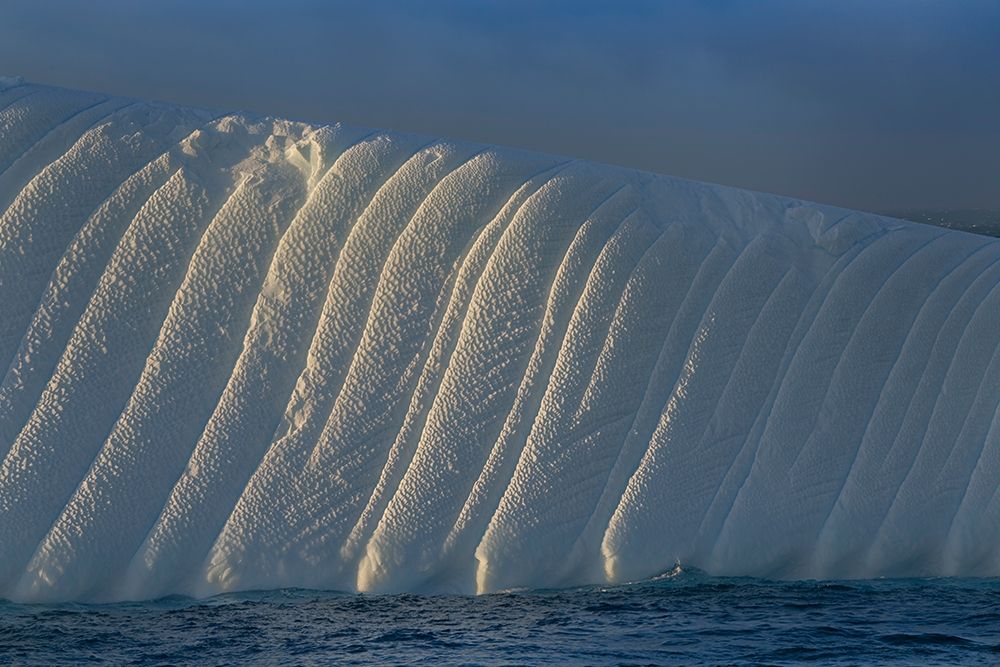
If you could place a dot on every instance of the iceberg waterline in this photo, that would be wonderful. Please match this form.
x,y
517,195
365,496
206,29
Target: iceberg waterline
x,y
244,353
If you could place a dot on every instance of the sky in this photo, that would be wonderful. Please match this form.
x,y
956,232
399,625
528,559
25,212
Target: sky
x,y
871,104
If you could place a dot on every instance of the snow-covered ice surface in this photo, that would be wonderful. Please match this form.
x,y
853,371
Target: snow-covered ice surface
x,y
246,353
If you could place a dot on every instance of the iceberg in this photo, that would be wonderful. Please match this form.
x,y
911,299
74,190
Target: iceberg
x,y
240,352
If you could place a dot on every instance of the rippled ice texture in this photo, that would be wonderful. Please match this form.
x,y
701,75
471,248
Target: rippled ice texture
x,y
685,619
241,353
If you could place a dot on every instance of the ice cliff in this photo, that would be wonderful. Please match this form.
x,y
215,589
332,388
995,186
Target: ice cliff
x,y
240,352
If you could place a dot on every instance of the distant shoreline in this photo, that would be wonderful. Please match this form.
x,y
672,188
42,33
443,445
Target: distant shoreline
x,y
975,220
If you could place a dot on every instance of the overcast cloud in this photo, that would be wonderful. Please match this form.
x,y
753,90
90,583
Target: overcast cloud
x,y
877,105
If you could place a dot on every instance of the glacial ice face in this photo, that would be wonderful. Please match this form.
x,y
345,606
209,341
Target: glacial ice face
x,y
246,353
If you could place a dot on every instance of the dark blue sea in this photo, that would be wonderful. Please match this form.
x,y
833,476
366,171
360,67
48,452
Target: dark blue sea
x,y
689,618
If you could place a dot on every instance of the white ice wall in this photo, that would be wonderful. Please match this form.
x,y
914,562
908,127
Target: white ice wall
x,y
246,353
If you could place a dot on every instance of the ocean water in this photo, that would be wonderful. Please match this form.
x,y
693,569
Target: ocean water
x,y
684,618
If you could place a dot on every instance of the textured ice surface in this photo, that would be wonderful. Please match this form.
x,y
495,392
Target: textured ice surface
x,y
242,352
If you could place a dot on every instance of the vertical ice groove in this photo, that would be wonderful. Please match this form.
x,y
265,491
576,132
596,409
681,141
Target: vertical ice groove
x,y
377,435
882,297
648,305
746,391
348,306
721,500
64,122
480,383
403,302
704,282
68,291
912,503
101,363
284,321
558,429
797,409
963,536
927,320
481,501
858,378
448,332
429,383
682,261
70,285
61,198
53,145
98,367
182,381
716,348
563,296
970,546
907,449
455,560
27,119
877,481
953,483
